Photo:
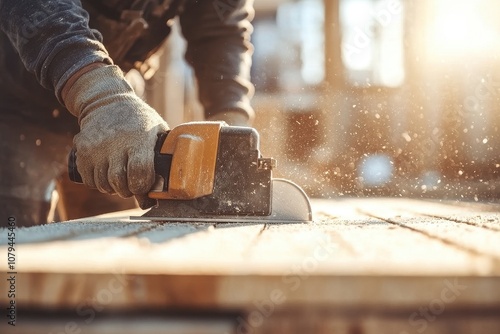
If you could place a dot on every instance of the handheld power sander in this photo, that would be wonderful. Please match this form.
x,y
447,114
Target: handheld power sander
x,y
212,172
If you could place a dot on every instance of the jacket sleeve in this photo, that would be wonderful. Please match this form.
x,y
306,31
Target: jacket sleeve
x,y
52,37
219,49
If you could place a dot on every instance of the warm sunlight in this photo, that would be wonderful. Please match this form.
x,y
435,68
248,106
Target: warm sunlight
x,y
461,28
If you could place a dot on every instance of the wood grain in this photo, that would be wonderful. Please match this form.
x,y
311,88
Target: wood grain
x,y
358,253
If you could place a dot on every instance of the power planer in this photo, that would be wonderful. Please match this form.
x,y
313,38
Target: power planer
x,y
212,172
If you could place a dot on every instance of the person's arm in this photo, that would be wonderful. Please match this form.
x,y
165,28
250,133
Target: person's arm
x,y
118,131
219,50
53,38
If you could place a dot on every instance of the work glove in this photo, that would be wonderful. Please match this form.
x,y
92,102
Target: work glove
x,y
118,132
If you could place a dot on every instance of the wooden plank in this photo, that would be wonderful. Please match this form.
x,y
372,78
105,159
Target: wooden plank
x,y
372,324
472,238
142,248
120,291
121,325
355,241
475,214
338,246
114,224
356,253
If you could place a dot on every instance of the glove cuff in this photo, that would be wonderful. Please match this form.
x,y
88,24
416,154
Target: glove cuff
x,y
92,88
76,76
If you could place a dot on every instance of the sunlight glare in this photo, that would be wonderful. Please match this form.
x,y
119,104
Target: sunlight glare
x,y
460,28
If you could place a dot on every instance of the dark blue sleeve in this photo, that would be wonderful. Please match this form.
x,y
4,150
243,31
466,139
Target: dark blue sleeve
x,y
219,49
52,37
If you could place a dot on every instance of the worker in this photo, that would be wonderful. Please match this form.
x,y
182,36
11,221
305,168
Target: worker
x,y
62,85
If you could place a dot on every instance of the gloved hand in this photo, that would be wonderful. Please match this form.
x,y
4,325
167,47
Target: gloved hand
x,y
118,132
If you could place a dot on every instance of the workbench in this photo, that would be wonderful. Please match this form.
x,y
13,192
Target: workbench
x,y
374,265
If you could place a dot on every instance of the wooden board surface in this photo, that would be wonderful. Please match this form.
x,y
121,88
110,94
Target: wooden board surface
x,y
358,252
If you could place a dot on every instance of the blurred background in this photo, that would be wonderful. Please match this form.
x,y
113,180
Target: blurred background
x,y
368,97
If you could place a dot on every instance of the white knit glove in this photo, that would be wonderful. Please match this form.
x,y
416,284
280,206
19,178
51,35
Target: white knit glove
x,y
118,132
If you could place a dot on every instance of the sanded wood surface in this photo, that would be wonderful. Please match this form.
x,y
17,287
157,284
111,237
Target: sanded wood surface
x,y
391,255
349,237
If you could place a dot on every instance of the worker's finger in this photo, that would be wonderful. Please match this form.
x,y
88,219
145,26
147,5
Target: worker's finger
x,y
101,179
140,170
117,176
87,173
